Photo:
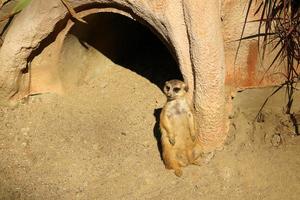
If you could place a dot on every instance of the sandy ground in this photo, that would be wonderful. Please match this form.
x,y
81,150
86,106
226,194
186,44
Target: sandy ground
x,y
98,142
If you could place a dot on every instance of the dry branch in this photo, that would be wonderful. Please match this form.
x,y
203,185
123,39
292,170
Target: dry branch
x,y
6,17
72,11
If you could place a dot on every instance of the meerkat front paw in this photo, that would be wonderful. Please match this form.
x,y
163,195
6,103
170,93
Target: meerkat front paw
x,y
172,141
193,137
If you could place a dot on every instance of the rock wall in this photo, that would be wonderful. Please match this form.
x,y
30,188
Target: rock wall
x,y
195,32
248,70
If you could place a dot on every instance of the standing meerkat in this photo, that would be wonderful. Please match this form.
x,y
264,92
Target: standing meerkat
x,y
177,127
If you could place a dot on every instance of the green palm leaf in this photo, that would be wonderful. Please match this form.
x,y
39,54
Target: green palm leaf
x,y
20,5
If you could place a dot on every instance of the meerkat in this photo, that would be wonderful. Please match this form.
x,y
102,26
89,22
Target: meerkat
x,y
177,127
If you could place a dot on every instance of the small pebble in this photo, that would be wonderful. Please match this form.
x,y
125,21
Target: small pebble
x,y
123,133
276,140
95,146
8,125
260,118
103,85
25,130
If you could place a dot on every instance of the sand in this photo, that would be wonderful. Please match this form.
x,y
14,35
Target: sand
x,y
99,141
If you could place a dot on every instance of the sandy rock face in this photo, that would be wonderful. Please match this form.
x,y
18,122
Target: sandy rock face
x,y
194,39
25,34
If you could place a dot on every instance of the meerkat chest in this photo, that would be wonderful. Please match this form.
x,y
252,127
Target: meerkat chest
x,y
177,109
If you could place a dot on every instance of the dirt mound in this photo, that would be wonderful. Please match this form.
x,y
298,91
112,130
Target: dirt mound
x,y
98,142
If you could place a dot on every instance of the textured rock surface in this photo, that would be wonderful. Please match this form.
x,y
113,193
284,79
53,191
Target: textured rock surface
x,y
192,31
25,34
207,53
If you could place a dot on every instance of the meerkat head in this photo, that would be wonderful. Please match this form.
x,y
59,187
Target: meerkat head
x,y
174,89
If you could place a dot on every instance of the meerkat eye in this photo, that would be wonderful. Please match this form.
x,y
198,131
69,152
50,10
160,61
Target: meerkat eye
x,y
176,89
167,88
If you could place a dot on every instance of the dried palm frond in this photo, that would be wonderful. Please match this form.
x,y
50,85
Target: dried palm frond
x,y
3,2
279,25
21,4
72,11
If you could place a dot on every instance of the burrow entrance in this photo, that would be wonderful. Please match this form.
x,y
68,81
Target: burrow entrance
x,y
102,131
109,39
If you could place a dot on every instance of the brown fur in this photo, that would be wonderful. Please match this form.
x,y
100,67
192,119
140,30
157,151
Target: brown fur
x,y
177,127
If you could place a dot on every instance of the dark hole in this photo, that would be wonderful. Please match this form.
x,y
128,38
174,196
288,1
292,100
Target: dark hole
x,y
129,44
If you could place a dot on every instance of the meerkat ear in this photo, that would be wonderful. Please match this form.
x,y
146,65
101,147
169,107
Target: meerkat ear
x,y
186,87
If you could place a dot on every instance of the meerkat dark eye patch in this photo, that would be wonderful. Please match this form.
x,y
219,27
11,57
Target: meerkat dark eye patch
x,y
167,88
176,89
